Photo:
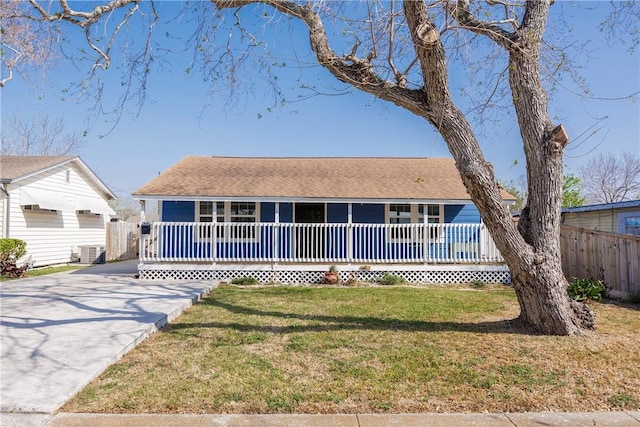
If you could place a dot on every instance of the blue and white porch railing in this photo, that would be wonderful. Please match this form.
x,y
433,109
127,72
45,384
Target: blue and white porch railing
x,y
318,243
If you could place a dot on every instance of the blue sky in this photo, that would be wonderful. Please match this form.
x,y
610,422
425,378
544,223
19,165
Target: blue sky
x,y
182,118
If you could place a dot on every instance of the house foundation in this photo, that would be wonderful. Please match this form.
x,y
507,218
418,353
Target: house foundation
x,y
314,273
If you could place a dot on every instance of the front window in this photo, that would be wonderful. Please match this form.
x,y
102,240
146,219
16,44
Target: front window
x,y
228,212
205,214
413,214
400,214
244,212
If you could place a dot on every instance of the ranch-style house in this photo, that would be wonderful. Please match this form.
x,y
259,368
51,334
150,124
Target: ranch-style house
x,y
289,219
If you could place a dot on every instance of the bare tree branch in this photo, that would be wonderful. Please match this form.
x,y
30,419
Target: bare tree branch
x,y
459,9
41,136
609,179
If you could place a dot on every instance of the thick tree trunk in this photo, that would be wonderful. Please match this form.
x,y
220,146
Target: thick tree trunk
x,y
544,304
534,260
535,263
541,285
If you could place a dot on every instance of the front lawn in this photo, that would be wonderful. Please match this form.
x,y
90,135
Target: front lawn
x,y
363,350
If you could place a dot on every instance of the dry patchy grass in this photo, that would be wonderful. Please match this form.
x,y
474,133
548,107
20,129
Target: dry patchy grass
x,y
337,350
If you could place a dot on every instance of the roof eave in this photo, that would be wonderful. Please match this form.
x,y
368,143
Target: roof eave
x,y
39,171
177,198
81,164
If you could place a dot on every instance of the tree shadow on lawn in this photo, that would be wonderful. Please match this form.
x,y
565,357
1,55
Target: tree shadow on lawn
x,y
321,323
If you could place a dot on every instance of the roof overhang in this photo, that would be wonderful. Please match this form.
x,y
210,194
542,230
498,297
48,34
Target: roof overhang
x,y
299,199
602,207
78,162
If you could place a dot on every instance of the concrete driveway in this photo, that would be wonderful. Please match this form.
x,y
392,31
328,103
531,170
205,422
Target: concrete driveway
x,y
59,332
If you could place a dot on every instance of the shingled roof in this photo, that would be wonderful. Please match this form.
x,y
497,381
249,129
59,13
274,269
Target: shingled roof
x,y
352,178
319,178
12,167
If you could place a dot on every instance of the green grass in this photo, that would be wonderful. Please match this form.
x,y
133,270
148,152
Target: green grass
x,y
346,350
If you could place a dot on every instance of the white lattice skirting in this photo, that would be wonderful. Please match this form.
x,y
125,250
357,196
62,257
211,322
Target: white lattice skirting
x,y
433,275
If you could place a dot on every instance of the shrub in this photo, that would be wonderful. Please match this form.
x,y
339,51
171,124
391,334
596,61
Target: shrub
x,y
11,250
478,284
244,281
391,279
583,290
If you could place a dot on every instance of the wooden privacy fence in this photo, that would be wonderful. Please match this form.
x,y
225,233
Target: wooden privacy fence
x,y
612,257
122,241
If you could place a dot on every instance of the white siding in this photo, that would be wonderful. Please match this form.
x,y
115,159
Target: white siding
x,y
52,237
2,203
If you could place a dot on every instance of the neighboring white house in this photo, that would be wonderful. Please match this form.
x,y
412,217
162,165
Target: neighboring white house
x,y
56,204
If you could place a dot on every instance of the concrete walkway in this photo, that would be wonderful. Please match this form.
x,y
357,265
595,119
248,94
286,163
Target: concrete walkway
x,y
537,419
58,332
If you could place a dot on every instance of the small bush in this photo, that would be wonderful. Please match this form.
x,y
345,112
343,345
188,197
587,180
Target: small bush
x,y
635,297
583,290
245,281
391,279
11,250
478,284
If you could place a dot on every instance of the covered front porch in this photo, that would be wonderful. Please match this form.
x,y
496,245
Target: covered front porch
x,y
290,252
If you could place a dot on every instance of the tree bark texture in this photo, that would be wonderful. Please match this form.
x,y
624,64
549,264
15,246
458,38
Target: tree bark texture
x,y
541,285
532,250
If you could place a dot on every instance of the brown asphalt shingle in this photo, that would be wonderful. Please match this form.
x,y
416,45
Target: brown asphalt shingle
x,y
12,167
327,178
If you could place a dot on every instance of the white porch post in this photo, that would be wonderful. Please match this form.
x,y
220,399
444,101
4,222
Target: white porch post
x,y
425,227
214,233
349,233
276,234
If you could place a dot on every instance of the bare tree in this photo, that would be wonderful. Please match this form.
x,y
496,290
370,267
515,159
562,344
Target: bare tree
x,y
22,43
609,179
43,136
125,207
401,52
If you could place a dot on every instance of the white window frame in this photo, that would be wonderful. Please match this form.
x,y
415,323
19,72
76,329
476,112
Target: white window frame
x,y
226,217
200,217
416,218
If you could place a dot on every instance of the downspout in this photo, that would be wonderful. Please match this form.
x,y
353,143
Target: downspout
x,y
5,214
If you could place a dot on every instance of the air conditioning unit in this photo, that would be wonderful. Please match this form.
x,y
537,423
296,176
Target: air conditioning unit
x,y
92,254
